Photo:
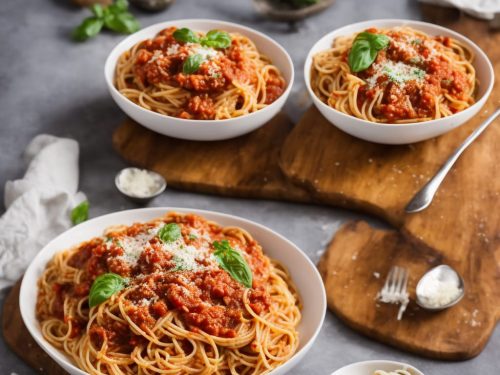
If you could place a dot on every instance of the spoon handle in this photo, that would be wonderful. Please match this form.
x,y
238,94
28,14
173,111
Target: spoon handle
x,y
423,198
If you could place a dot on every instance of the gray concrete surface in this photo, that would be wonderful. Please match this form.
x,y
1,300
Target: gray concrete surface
x,y
49,84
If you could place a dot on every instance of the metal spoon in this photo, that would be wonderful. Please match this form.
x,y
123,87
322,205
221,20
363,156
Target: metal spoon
x,y
424,197
442,273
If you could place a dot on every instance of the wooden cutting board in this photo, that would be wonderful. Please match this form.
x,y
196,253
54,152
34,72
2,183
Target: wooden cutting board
x,y
315,162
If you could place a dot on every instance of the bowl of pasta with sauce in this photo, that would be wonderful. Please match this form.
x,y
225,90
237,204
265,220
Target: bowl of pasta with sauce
x,y
397,81
169,290
199,80
378,367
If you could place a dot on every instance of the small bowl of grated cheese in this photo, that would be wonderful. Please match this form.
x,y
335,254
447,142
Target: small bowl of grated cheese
x,y
140,185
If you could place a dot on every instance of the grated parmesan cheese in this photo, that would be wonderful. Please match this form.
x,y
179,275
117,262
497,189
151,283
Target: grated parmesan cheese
x,y
437,292
207,53
173,49
186,257
397,72
138,182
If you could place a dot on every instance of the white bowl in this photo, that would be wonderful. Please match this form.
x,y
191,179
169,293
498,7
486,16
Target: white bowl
x,y
401,133
202,130
369,367
302,270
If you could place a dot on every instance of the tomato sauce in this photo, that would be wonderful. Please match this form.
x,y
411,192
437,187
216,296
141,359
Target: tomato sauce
x,y
411,71
205,296
160,61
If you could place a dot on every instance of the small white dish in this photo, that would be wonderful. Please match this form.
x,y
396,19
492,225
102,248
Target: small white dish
x,y
202,130
159,181
369,367
401,133
303,272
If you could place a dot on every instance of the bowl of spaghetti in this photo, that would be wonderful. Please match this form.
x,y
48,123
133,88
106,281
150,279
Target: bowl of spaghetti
x,y
397,81
178,291
199,79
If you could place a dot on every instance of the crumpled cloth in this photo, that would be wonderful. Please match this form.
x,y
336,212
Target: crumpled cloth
x,y
484,9
38,206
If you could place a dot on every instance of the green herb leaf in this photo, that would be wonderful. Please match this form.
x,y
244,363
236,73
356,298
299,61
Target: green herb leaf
x,y
192,236
104,286
233,262
80,213
185,35
89,28
169,232
97,10
365,49
124,23
216,39
192,63
118,6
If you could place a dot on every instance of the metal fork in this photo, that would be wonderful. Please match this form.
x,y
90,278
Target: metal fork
x,y
395,289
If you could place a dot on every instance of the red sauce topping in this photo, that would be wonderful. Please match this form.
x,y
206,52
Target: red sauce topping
x,y
207,298
161,59
428,75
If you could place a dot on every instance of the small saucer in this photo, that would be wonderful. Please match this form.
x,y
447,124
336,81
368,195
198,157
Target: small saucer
x,y
160,182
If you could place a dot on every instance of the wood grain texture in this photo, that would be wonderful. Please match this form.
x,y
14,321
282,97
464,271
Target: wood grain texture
x,y
318,163
246,166
16,335
354,269
462,225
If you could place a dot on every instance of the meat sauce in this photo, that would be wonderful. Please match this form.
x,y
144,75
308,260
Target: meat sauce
x,y
437,77
161,59
207,298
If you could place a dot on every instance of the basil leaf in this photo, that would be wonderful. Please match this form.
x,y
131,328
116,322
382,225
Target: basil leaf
x,y
169,232
192,63
80,213
365,49
122,22
97,10
216,39
185,35
233,262
87,29
118,6
104,286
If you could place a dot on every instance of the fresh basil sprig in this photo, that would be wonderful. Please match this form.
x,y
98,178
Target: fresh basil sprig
x,y
365,49
192,63
214,38
80,213
185,35
233,262
169,232
104,286
114,17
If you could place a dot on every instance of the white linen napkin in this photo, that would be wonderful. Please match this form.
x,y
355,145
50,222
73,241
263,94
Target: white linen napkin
x,y
484,9
38,206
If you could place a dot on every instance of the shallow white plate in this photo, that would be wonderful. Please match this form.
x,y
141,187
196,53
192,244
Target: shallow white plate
x,y
302,270
369,367
202,130
401,133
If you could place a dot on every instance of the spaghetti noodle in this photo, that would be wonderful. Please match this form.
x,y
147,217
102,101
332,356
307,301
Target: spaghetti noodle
x,y
180,312
228,82
415,78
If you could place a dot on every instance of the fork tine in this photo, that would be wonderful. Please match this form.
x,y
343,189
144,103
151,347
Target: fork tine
x,y
388,279
394,279
400,280
405,281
